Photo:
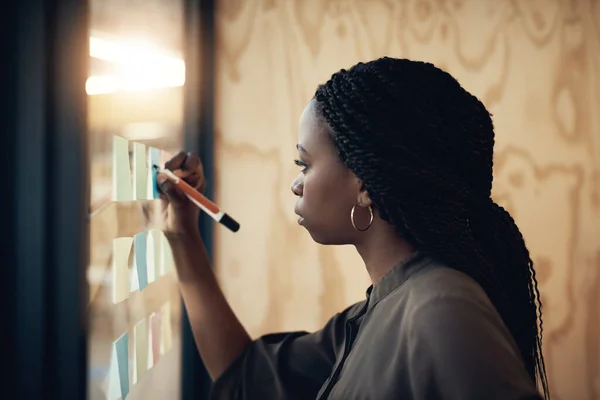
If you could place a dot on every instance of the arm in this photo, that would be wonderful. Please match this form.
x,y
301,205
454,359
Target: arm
x,y
460,349
277,366
285,365
219,335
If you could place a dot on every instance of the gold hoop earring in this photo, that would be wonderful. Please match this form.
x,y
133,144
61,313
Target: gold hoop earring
x,y
370,219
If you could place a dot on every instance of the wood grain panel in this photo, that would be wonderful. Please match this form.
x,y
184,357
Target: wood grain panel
x,y
535,64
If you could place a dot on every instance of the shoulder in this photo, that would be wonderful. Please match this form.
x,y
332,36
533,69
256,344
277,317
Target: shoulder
x,y
456,333
444,287
446,305
441,280
447,299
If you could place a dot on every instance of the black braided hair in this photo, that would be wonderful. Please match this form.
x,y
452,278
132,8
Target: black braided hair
x,y
423,146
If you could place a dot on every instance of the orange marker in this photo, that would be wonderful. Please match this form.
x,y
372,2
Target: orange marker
x,y
201,201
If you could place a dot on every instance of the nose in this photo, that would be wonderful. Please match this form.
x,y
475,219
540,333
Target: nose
x,y
297,188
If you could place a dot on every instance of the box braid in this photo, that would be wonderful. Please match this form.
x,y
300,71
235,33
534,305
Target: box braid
x,y
423,146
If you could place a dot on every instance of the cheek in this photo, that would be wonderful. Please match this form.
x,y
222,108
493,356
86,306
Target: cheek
x,y
326,197
312,190
317,191
326,209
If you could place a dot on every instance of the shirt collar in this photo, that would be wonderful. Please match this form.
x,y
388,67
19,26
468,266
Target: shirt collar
x,y
396,277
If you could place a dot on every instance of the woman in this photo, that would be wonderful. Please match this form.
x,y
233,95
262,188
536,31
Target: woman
x,y
396,159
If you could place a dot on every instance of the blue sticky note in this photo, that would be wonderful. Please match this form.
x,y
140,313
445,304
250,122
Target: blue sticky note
x,y
141,261
122,347
154,158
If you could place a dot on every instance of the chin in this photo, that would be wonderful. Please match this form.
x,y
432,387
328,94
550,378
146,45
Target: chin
x,y
328,239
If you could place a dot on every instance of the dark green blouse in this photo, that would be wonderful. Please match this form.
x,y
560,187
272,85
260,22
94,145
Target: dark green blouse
x,y
425,331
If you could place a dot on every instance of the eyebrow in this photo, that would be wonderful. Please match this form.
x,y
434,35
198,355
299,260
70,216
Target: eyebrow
x,y
301,148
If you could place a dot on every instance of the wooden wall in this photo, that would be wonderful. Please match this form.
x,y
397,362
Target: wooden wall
x,y
535,64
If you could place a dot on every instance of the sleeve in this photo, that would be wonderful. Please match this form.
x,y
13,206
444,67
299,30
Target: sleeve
x,y
284,365
459,348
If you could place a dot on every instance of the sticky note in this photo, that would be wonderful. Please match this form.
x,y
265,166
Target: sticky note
x,y
149,356
154,158
153,257
155,337
120,268
134,282
122,189
166,332
140,261
140,349
122,346
150,251
166,263
118,375
140,172
114,379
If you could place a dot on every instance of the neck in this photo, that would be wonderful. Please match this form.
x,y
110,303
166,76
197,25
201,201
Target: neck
x,y
381,249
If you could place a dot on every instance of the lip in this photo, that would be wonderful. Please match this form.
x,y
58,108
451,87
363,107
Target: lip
x,y
300,217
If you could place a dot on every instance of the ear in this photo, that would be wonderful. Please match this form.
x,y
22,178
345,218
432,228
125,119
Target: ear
x,y
363,198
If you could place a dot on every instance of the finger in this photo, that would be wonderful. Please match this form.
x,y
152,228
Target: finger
x,y
169,189
193,178
176,162
182,173
161,179
192,163
163,184
195,181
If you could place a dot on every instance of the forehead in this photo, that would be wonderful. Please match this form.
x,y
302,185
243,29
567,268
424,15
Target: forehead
x,y
313,132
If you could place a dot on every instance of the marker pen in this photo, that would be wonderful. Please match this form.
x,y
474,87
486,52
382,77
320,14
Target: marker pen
x,y
201,201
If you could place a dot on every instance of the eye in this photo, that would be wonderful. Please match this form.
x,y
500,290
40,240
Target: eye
x,y
302,164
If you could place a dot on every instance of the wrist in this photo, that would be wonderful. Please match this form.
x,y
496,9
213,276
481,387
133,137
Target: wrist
x,y
184,221
183,233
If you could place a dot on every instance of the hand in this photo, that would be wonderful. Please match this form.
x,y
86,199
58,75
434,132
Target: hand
x,y
180,215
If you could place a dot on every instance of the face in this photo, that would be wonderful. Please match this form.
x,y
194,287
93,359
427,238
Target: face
x,y
326,189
